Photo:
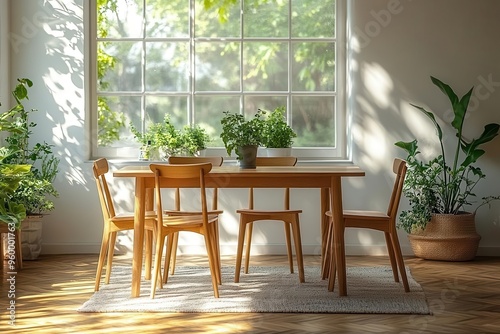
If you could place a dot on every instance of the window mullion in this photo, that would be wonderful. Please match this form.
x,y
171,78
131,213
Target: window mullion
x,y
143,68
192,63
241,41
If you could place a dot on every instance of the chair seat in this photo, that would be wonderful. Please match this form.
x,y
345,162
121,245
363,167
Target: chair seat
x,y
185,221
364,214
267,212
130,215
191,213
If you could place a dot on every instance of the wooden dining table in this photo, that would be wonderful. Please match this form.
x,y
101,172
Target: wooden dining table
x,y
327,178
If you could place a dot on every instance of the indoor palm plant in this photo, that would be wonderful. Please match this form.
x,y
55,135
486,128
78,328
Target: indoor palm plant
x,y
277,134
242,136
439,191
36,190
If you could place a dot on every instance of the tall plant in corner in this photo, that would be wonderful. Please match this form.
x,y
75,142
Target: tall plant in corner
x,y
36,190
11,213
440,185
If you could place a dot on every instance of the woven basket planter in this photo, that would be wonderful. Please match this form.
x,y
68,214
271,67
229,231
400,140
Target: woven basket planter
x,y
447,238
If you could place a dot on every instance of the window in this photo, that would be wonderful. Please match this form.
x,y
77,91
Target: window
x,y
176,57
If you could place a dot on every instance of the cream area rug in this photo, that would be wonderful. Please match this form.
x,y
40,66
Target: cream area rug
x,y
263,289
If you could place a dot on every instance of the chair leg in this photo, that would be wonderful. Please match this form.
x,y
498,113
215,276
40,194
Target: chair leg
x,y
399,259
332,268
390,251
288,242
212,262
239,250
111,253
214,236
156,271
298,247
248,244
168,255
174,252
216,249
328,256
102,256
149,254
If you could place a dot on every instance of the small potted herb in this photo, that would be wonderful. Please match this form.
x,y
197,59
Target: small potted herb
x,y
194,140
242,136
162,140
277,134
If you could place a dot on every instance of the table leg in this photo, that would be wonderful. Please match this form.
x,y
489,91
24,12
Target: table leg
x,y
139,213
325,206
148,237
338,232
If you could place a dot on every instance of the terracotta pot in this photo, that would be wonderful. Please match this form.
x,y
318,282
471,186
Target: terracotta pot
x,y
447,238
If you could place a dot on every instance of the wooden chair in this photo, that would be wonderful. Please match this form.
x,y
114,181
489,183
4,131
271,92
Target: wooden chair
x,y
12,246
215,161
289,217
385,222
114,223
167,225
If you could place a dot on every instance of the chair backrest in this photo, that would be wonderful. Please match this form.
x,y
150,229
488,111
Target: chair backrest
x,y
165,173
215,161
100,169
273,161
399,168
276,161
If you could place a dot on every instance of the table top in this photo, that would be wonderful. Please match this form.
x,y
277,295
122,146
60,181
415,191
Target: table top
x,y
276,171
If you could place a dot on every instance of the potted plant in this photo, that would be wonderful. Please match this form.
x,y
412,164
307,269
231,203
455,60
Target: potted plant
x,y
242,136
11,213
194,140
36,190
162,140
439,225
277,134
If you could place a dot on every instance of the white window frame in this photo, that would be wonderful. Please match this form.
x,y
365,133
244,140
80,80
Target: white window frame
x,y
340,153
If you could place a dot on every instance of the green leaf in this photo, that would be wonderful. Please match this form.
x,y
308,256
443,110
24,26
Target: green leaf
x,y
411,147
446,89
470,149
433,119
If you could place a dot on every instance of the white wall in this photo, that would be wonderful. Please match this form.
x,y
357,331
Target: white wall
x,y
396,46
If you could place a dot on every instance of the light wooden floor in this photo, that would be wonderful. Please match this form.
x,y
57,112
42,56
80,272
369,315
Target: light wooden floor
x,y
465,298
